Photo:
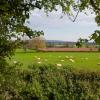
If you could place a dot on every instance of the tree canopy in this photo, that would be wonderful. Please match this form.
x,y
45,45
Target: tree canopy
x,y
81,42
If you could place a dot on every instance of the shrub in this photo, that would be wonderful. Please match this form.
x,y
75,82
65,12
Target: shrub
x,y
48,82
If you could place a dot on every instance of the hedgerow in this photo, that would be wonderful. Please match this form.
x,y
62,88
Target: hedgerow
x,y
48,82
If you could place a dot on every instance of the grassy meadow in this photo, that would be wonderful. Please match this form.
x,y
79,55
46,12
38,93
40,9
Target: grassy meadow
x,y
78,60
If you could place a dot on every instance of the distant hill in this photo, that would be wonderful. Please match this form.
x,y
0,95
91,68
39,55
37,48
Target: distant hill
x,y
55,41
61,41
51,43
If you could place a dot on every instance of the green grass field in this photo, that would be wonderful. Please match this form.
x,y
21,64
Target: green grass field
x,y
89,61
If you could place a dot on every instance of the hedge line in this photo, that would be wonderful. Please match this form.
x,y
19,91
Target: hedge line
x,y
48,82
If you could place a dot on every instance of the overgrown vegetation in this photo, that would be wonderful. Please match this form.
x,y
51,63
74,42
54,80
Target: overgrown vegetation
x,y
48,82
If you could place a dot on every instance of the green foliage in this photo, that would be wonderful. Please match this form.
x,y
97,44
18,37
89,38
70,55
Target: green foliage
x,y
97,19
78,44
96,36
81,42
13,15
48,82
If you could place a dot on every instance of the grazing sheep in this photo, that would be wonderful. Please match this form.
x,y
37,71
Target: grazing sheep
x,y
59,65
71,60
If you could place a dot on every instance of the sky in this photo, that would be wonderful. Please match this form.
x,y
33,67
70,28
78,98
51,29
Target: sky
x,y
56,27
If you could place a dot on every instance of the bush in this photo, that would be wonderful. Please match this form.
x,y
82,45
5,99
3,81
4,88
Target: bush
x,y
48,82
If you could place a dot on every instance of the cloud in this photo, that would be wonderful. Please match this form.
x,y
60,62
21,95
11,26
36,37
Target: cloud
x,y
53,20
56,27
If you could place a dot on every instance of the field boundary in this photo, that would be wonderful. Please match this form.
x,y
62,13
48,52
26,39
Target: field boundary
x,y
69,49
